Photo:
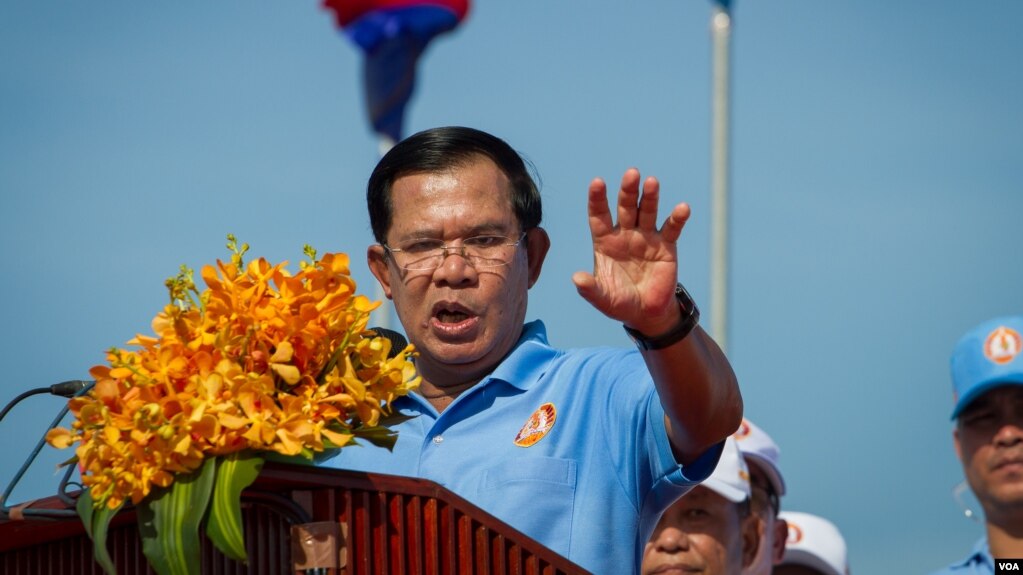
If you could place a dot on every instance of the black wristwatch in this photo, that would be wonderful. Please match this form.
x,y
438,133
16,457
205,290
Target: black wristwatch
x,y
690,317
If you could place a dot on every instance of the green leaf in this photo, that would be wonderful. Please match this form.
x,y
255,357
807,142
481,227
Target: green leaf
x,y
297,459
74,459
381,435
169,521
395,419
97,522
235,472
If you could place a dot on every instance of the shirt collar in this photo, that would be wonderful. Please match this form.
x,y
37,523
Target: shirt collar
x,y
524,365
528,360
979,554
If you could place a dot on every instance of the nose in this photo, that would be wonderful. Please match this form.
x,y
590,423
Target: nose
x,y
455,271
1010,433
671,539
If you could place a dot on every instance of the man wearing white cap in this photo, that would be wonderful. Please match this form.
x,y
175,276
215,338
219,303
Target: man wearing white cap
x,y
761,455
814,547
987,386
711,529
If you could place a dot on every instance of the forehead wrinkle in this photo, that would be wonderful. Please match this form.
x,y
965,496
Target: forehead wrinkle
x,y
432,204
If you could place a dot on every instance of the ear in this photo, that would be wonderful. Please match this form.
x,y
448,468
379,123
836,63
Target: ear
x,y
377,259
781,535
537,245
955,441
751,528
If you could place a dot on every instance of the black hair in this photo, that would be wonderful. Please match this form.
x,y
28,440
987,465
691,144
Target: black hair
x,y
440,149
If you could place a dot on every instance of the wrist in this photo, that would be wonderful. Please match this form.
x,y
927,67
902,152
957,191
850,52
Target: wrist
x,y
689,318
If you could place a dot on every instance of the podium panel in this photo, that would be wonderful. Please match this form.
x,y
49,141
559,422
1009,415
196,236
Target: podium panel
x,y
357,523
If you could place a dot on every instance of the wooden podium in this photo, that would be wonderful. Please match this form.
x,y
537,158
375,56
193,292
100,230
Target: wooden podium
x,y
358,523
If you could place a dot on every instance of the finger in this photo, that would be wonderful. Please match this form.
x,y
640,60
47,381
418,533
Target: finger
x,y
674,223
628,199
648,204
587,287
599,212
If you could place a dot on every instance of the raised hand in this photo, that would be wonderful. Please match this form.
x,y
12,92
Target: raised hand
x,y
635,264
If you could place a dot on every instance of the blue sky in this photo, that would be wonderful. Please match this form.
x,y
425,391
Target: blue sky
x,y
877,164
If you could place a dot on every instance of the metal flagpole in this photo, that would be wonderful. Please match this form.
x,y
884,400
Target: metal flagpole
x,y
721,36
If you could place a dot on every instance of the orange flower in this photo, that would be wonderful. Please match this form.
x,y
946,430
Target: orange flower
x,y
261,359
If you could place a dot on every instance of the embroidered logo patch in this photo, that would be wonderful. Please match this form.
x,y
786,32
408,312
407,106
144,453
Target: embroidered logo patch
x,y
537,426
1003,345
795,534
743,431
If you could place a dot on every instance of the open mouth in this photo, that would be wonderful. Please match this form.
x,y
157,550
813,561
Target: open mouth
x,y
451,315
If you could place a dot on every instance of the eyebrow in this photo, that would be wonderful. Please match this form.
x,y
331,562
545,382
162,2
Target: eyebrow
x,y
486,228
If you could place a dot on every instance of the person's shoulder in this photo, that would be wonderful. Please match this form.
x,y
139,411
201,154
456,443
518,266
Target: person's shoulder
x,y
953,568
977,562
602,363
534,337
960,568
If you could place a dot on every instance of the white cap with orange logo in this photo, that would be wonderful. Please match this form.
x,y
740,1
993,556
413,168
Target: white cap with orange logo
x,y
757,445
814,542
730,478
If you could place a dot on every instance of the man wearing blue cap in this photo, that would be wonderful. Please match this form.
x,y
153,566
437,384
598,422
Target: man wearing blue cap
x,y
987,381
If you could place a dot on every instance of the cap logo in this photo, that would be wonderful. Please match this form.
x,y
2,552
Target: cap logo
x,y
537,426
743,431
1002,345
795,534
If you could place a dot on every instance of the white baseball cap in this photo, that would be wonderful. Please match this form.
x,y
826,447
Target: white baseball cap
x,y
814,542
757,445
731,477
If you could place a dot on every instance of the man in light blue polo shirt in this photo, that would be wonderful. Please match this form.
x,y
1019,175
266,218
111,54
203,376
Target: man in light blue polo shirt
x,y
987,383
580,449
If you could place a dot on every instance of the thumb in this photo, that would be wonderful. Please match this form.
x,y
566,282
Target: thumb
x,y
586,285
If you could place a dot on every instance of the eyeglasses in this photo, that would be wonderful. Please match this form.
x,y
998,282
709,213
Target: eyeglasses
x,y
479,251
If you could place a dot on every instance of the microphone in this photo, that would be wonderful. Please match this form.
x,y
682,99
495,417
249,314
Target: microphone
x,y
69,388
398,341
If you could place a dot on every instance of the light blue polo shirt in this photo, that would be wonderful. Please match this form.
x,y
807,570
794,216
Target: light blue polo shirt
x,y
591,488
978,562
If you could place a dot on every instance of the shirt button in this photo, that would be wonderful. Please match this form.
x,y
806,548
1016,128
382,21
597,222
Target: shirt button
x,y
438,439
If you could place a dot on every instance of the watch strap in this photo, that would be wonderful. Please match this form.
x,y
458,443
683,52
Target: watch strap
x,y
690,317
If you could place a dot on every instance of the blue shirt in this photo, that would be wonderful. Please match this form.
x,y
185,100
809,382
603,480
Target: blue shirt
x,y
568,447
978,562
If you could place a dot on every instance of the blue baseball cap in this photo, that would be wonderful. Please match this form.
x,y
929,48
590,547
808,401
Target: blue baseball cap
x,y
988,356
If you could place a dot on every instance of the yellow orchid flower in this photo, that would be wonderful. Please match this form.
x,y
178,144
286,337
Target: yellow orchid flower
x,y
241,366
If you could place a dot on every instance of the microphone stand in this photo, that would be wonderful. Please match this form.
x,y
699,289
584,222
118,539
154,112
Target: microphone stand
x,y
76,388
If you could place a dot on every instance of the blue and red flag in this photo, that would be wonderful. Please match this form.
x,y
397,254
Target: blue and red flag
x,y
393,34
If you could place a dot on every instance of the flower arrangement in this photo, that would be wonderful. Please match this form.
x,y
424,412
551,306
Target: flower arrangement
x,y
261,362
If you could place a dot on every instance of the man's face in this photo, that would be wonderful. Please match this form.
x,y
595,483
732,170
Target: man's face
x,y
462,320
989,443
772,530
701,533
